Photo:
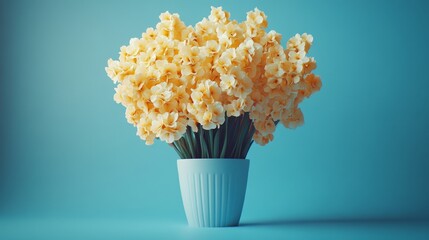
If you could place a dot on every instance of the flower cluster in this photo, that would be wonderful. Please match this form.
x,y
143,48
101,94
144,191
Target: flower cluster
x,y
176,76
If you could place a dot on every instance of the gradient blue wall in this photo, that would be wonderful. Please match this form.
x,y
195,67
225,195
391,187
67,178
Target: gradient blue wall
x,y
67,150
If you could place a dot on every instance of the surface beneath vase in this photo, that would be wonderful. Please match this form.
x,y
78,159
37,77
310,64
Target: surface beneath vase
x,y
159,228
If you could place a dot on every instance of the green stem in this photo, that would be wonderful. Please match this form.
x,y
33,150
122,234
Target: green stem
x,y
232,139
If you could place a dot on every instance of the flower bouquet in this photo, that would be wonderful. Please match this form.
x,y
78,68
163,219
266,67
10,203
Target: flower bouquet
x,y
212,89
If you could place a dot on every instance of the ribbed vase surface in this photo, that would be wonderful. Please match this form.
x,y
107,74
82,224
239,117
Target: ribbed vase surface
x,y
213,190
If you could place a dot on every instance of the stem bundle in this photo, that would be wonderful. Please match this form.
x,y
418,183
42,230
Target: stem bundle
x,y
232,139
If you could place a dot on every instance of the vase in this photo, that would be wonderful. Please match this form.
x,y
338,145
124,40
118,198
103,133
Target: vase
x,y
213,190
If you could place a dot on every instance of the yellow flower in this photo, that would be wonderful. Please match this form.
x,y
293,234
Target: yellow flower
x,y
309,66
265,126
170,106
188,55
143,130
160,94
313,82
206,91
213,90
257,18
176,76
234,108
193,124
246,51
245,84
170,26
293,120
206,30
262,140
218,113
175,127
308,39
149,35
117,71
276,111
167,70
130,52
274,70
274,82
197,96
206,121
230,35
210,48
297,57
133,114
272,39
218,15
224,63
295,43
227,83
182,98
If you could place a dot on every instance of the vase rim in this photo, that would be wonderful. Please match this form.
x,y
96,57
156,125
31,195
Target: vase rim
x,y
212,159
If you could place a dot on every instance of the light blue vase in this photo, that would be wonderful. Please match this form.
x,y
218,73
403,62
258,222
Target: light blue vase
x,y
213,190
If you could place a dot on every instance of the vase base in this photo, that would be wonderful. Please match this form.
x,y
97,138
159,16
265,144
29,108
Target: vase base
x,y
213,191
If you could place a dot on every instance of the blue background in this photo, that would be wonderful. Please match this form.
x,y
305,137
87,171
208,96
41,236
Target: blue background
x,y
69,157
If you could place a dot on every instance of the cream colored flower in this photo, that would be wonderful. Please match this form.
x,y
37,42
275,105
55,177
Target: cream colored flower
x,y
274,70
193,124
205,30
197,96
218,113
130,53
218,15
173,127
133,114
188,55
308,39
235,108
246,51
257,18
160,94
230,35
210,48
273,40
227,83
274,82
144,130
263,140
207,121
182,97
293,120
213,90
265,126
117,71
167,70
224,62
176,76
313,82
296,43
245,84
